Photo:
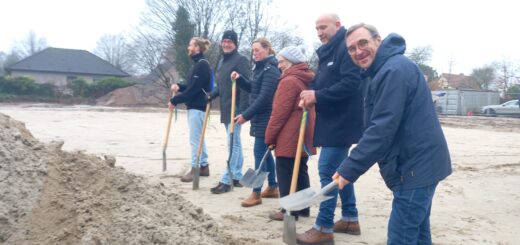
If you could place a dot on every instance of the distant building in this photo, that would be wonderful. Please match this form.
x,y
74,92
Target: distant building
x,y
453,81
59,67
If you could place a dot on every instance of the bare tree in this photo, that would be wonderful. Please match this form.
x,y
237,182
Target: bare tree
x,y
506,75
31,45
115,50
152,55
249,18
206,14
421,54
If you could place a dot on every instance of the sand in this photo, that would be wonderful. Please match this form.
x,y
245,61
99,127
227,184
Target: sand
x,y
478,204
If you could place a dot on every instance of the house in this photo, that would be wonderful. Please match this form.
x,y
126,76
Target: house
x,y
59,67
453,81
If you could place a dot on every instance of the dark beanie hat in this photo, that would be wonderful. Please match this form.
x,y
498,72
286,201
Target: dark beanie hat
x,y
231,35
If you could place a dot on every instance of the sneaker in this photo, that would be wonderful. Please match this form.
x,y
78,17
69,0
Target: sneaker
x,y
220,188
204,171
351,228
236,183
270,192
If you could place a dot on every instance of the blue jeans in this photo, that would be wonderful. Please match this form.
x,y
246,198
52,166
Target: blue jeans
x,y
259,150
328,163
237,158
195,121
410,217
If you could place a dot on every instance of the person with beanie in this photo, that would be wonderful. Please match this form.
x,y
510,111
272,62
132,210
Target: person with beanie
x,y
262,87
284,125
192,94
231,61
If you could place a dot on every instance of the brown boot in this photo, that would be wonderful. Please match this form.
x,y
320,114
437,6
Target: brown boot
x,y
351,228
188,177
314,236
278,215
253,200
270,192
204,171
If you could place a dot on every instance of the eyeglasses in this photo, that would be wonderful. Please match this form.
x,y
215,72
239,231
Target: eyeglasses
x,y
361,45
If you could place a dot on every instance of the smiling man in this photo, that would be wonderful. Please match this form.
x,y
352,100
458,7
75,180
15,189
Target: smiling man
x,y
402,133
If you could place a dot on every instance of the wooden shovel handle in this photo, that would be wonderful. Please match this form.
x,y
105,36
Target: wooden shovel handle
x,y
233,100
170,114
301,137
201,140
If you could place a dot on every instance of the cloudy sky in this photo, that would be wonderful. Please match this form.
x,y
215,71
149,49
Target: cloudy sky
x,y
468,33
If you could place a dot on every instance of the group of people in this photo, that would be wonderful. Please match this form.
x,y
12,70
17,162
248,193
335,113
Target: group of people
x,y
365,92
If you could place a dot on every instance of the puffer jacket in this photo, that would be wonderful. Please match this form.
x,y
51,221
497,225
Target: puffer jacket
x,y
261,88
284,125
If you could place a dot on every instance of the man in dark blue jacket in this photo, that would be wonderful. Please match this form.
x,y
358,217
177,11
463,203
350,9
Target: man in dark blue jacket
x,y
402,134
337,97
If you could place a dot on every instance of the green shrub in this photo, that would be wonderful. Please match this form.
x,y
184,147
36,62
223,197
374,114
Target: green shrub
x,y
79,87
106,85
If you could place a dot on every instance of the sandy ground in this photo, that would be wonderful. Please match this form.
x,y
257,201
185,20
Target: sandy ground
x,y
478,204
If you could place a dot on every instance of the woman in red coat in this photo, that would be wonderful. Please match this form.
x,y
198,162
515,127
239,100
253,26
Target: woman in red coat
x,y
284,124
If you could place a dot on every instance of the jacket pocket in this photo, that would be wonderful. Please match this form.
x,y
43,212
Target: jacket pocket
x,y
389,172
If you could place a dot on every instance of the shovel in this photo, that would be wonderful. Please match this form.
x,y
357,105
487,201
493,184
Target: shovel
x,y
289,221
196,170
231,130
255,178
306,198
165,145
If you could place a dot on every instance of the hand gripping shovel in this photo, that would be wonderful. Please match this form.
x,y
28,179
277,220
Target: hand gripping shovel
x,y
255,178
231,130
196,170
165,145
289,221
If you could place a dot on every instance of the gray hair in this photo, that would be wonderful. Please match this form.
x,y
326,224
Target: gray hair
x,y
372,29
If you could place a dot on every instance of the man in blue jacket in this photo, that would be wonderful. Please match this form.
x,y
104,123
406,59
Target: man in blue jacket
x,y
337,97
402,134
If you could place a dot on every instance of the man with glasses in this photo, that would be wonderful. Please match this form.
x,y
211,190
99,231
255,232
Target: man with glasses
x,y
231,61
403,134
337,96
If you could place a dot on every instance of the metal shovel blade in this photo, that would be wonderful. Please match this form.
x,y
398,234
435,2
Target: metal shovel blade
x,y
196,177
252,179
306,198
164,160
289,228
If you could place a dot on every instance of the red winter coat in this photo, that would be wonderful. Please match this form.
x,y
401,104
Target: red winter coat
x,y
283,128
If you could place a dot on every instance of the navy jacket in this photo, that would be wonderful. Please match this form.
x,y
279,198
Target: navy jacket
x,y
261,89
339,96
403,133
232,61
199,78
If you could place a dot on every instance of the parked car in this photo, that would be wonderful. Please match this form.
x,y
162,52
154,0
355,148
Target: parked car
x,y
510,108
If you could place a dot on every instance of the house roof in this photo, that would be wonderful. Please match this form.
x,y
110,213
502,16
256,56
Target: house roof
x,y
59,60
460,81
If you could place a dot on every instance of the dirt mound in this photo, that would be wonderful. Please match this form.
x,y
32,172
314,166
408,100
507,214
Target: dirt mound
x,y
500,124
137,95
51,196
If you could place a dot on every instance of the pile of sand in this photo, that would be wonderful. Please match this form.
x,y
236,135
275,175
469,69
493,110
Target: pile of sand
x,y
55,197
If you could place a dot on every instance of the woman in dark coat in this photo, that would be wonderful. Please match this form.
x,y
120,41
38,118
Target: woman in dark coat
x,y
261,88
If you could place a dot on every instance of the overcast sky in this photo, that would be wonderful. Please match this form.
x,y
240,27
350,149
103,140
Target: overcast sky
x,y
470,33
